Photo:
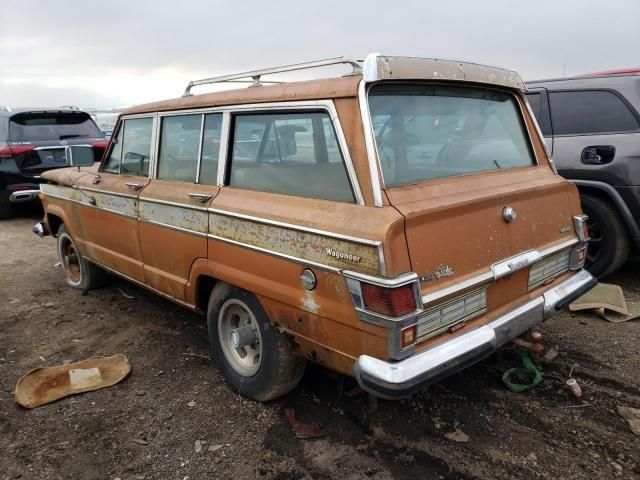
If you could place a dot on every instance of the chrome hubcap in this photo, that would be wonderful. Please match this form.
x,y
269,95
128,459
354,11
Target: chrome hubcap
x,y
240,337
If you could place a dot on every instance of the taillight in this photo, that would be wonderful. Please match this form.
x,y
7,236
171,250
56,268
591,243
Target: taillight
x,y
8,152
391,302
100,144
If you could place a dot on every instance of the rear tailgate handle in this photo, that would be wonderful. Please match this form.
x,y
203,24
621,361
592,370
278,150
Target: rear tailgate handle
x,y
202,197
598,154
134,186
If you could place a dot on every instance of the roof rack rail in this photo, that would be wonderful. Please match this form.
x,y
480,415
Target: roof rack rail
x,y
255,75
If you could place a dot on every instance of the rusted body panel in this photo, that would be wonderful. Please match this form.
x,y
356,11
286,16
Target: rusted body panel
x,y
175,243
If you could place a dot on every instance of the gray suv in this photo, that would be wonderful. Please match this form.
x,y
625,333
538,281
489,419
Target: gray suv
x,y
592,127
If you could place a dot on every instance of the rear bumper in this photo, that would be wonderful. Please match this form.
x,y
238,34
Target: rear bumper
x,y
399,379
20,196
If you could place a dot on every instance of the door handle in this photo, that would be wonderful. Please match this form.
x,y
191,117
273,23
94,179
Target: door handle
x,y
134,186
598,154
202,197
96,179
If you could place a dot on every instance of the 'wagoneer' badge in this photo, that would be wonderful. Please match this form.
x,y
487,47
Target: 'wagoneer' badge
x,y
441,272
341,255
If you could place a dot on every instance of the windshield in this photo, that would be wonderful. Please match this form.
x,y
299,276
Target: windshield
x,y
36,127
425,132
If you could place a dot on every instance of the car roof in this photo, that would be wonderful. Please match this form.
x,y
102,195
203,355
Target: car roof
x,y
10,111
592,79
291,91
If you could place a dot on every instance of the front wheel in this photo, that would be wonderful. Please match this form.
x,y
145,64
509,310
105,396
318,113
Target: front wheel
x,y
254,357
79,273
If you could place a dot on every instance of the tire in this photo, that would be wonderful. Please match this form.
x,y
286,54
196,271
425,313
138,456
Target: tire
x,y
79,273
610,244
264,368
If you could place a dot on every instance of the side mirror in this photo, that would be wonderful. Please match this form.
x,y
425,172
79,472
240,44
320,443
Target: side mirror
x,y
79,155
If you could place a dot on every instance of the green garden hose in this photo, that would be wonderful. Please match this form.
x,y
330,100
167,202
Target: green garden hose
x,y
528,369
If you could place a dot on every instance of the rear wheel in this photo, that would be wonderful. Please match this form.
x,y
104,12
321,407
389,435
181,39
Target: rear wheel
x,y
609,245
254,357
79,273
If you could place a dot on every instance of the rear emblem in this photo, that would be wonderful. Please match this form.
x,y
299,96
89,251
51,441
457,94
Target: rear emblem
x,y
509,214
441,272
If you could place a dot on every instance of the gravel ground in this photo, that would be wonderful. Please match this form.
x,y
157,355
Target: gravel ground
x,y
175,418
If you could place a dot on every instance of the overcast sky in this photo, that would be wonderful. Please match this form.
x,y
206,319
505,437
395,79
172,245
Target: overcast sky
x,y
118,53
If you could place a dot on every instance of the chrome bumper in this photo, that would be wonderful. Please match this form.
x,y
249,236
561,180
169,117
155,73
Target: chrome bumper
x,y
23,196
399,379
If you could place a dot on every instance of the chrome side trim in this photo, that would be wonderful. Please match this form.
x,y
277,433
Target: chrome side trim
x,y
344,146
369,140
173,204
399,281
275,254
301,228
172,227
106,192
490,275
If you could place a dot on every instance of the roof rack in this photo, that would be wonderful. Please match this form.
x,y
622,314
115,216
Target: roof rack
x,y
255,75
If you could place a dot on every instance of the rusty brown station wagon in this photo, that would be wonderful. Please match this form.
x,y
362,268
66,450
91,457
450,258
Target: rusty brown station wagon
x,y
395,224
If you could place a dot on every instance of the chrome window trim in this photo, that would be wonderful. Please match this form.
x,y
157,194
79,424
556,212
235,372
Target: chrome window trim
x,y
326,105
200,142
375,169
489,275
369,140
363,241
224,147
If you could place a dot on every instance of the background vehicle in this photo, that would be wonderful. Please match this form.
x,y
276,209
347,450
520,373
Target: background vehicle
x,y
592,127
33,141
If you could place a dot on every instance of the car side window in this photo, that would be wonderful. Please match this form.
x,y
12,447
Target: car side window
x,y
136,146
131,149
589,112
538,105
289,153
179,142
210,148
112,163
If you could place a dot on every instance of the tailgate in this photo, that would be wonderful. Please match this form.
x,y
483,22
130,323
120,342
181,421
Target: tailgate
x,y
456,230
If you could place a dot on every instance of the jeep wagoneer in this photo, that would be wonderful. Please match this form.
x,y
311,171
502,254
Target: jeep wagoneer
x,y
395,224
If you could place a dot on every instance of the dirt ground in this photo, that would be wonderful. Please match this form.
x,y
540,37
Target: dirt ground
x,y
175,418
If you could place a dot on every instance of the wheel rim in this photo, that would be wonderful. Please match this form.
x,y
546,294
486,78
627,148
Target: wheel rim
x,y
235,318
70,260
594,248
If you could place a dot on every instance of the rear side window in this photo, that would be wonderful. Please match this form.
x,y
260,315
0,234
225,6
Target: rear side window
x,y
185,145
589,112
289,153
179,143
131,151
38,127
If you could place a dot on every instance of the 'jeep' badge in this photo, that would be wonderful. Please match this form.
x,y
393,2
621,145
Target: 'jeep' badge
x,y
441,272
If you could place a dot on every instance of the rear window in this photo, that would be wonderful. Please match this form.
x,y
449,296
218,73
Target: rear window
x,y
36,127
590,111
424,132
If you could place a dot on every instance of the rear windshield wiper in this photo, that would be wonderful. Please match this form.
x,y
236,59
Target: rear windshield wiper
x,y
62,137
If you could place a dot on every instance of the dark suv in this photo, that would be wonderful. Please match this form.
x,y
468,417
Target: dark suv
x,y
592,126
32,141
